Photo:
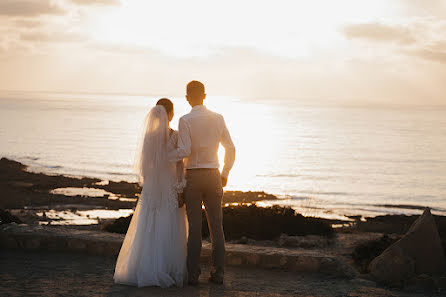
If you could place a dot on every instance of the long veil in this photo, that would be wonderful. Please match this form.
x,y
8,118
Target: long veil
x,y
152,165
154,248
151,154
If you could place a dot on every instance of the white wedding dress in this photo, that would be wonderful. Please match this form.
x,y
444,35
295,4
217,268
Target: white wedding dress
x,y
155,247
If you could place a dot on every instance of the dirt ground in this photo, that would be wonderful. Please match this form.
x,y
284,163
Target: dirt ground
x,y
42,273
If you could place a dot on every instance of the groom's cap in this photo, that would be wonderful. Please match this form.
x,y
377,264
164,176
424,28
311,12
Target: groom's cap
x,y
195,88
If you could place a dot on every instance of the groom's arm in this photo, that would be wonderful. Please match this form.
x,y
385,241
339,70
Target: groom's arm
x,y
184,143
227,143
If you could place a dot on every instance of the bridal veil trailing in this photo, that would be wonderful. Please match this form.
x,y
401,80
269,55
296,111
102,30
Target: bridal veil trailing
x,y
154,249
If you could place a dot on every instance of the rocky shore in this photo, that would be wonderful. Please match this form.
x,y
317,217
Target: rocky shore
x,y
364,249
20,188
38,197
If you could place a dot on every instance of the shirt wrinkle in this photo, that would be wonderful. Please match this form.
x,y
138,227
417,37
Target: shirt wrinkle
x,y
200,133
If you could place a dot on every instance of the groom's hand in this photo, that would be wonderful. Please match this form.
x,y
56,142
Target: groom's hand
x,y
224,181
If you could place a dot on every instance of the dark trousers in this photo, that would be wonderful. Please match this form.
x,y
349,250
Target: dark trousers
x,y
204,185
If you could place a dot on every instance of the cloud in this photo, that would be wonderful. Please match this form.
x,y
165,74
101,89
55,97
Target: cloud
x,y
435,53
250,73
115,48
28,23
423,38
432,55
431,8
36,36
96,2
379,32
29,8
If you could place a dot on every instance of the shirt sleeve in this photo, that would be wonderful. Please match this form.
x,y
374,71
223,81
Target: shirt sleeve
x,y
184,143
181,181
227,143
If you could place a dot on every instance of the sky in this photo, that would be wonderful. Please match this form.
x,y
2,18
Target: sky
x,y
382,51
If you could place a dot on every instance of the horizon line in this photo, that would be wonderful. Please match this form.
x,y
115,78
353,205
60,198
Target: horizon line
x,y
305,101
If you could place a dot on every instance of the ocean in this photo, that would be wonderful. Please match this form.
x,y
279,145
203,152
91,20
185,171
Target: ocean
x,y
326,160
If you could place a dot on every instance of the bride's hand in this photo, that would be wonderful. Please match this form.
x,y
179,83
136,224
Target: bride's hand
x,y
180,199
224,181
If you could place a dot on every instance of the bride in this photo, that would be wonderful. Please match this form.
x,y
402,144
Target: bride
x,y
154,249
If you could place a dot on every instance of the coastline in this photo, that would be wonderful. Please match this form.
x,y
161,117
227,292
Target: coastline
x,y
309,204
14,175
38,197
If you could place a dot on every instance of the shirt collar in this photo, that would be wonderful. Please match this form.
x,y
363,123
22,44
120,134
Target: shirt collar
x,y
198,108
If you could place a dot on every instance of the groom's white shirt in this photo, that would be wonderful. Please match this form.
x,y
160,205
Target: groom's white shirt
x,y
199,134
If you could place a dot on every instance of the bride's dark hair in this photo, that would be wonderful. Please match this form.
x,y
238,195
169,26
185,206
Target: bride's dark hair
x,y
166,103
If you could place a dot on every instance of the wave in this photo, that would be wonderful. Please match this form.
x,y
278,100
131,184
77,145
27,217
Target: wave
x,y
30,158
409,206
278,175
328,193
286,175
34,165
348,209
54,166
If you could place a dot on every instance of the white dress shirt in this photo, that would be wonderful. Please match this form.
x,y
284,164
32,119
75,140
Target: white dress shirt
x,y
199,134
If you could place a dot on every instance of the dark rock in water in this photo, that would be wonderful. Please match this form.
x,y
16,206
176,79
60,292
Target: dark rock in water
x,y
418,252
119,225
6,217
389,224
122,188
246,197
356,218
396,224
11,165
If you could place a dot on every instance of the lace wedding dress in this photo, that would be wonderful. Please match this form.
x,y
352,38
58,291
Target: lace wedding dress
x,y
155,247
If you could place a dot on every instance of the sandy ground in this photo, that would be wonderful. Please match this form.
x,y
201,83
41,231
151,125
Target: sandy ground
x,y
42,273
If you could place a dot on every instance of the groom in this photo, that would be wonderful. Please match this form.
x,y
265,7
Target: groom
x,y
200,133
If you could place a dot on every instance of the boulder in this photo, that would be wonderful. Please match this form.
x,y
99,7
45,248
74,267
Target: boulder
x,y
392,266
337,267
418,252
